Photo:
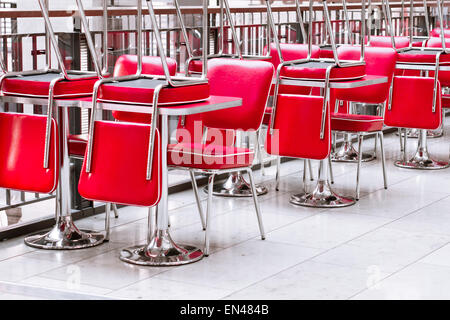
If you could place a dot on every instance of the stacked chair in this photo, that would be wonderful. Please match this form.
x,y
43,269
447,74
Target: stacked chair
x,y
138,180
428,61
300,124
36,147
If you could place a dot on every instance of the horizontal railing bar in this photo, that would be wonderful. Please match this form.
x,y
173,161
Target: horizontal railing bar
x,y
124,11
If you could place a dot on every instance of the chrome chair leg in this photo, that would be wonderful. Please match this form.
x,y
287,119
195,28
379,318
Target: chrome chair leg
x,y
311,175
304,175
375,146
151,222
116,212
360,140
400,138
197,199
256,203
383,158
208,212
260,151
107,220
277,174
331,169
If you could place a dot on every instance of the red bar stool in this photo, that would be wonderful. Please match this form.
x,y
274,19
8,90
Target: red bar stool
x,y
379,61
250,80
416,103
50,84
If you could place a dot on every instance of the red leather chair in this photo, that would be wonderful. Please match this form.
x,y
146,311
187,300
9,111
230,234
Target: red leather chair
x,y
379,61
22,146
295,133
250,80
413,106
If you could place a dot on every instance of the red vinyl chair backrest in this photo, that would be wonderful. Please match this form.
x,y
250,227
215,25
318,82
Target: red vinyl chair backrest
x,y
118,169
380,61
444,76
249,80
127,65
412,101
386,42
297,128
290,51
22,147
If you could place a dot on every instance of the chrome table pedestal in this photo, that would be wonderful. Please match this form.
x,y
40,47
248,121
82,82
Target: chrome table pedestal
x,y
64,235
236,186
421,159
322,196
347,153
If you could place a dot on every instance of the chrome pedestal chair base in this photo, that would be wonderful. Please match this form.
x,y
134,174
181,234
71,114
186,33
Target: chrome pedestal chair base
x,y
65,236
236,186
415,133
161,251
422,161
347,153
321,197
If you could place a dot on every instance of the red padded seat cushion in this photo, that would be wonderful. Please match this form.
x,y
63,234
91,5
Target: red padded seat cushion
x,y
77,144
22,147
297,128
436,32
386,42
290,51
127,65
380,61
356,122
317,70
208,156
119,166
412,100
140,92
39,86
417,55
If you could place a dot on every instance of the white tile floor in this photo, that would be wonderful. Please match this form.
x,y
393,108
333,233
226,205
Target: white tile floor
x,y
393,244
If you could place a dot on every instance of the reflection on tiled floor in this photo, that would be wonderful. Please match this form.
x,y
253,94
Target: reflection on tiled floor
x,y
393,244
